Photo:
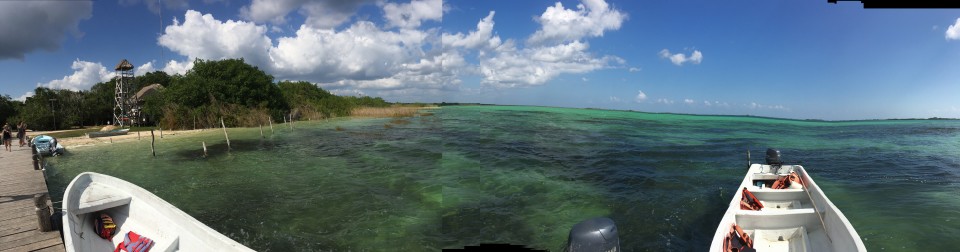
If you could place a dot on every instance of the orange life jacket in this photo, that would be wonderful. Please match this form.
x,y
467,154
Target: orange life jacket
x,y
785,181
737,240
134,242
749,202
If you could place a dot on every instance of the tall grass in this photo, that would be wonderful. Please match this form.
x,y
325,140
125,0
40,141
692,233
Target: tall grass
x,y
394,111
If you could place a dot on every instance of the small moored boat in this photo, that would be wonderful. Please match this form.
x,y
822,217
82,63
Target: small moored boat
x,y
134,214
780,208
116,132
46,145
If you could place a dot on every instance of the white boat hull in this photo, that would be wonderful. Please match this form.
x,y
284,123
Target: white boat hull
x,y
132,209
791,218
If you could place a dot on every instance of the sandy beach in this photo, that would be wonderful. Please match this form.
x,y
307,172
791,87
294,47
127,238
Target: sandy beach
x,y
86,141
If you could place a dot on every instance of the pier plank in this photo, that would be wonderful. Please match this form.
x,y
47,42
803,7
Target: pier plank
x,y
19,182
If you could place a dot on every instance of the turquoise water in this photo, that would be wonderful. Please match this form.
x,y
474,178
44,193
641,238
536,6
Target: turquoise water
x,y
524,175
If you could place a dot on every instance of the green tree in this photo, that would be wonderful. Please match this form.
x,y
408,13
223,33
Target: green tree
x,y
38,110
9,109
228,81
155,77
241,93
99,102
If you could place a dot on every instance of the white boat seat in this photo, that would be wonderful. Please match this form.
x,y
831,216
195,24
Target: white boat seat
x,y
774,205
780,219
790,239
99,197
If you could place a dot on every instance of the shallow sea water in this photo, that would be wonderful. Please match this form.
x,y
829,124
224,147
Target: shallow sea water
x,y
524,175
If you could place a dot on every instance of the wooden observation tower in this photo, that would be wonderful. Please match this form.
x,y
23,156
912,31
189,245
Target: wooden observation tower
x,y
123,114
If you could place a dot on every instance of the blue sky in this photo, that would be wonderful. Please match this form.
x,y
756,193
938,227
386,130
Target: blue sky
x,y
794,59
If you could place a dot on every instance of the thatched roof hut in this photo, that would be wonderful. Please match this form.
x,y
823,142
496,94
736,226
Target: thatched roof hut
x,y
124,66
149,90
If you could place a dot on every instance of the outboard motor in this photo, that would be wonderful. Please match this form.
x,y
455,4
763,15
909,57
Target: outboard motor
x,y
594,235
773,157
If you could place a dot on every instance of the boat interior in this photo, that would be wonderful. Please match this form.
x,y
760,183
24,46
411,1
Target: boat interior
x,y
790,217
787,221
129,212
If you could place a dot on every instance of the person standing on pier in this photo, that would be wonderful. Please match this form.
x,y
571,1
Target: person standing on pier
x,y
22,133
7,137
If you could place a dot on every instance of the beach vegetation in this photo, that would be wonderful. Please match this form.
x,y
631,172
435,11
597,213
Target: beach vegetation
x,y
239,93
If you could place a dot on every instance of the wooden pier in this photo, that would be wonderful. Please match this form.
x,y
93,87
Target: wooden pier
x,y
19,183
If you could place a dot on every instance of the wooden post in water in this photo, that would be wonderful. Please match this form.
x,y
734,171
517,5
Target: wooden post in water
x,y
153,141
43,212
138,135
161,132
111,140
36,159
225,133
291,120
204,149
271,126
261,131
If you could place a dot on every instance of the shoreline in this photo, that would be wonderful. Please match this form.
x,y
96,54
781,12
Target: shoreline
x,y
83,141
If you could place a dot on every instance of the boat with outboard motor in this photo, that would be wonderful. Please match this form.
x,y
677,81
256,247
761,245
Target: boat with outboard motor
x,y
46,145
780,208
101,213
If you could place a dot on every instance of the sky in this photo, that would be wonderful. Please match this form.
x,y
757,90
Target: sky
x,y
790,59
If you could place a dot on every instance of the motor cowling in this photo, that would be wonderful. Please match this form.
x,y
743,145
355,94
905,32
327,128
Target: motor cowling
x,y
594,235
773,157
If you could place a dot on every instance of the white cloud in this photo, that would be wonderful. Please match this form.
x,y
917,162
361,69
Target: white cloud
x,y
24,97
665,101
754,105
707,103
634,69
267,10
432,73
323,14
27,26
173,67
678,59
480,38
398,55
349,92
507,64
409,15
953,32
84,76
640,96
585,79
614,99
143,69
360,52
202,36
361,55
592,18
512,67
688,101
